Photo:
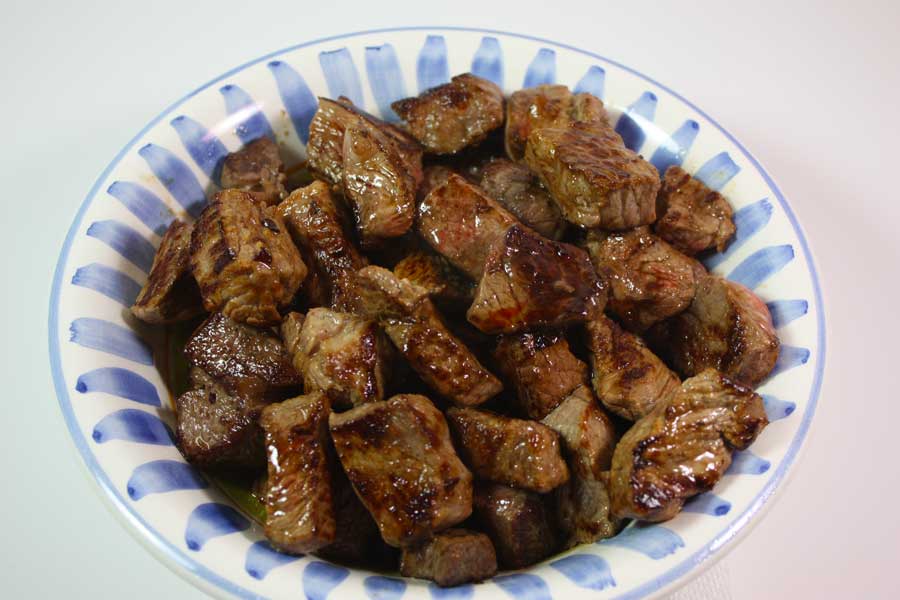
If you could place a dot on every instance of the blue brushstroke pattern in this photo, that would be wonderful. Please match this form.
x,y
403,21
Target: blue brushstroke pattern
x,y
384,588
717,171
459,592
761,265
298,99
110,338
109,282
630,124
124,240
524,586
593,82
161,476
319,578
176,177
212,520
542,69
708,504
205,148
385,78
119,382
748,221
341,75
744,462
776,408
673,150
654,541
785,311
253,124
788,358
431,66
132,425
487,62
262,558
585,570
143,204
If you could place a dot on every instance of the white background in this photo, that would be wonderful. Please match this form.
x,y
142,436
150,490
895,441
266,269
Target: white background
x,y
813,90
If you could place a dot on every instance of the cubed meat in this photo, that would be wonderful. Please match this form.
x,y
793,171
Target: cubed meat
x,y
683,447
452,116
547,106
649,280
594,178
584,510
542,368
530,281
170,293
628,378
398,456
461,223
410,320
588,436
299,507
518,523
690,216
244,260
256,168
443,282
516,188
726,327
516,452
452,557
433,176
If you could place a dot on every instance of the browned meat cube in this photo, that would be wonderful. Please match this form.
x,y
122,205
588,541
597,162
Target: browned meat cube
x,y
316,225
290,329
628,378
584,511
170,293
587,434
542,368
683,446
517,522
523,454
299,509
446,286
378,185
447,118
342,355
256,168
453,557
516,188
649,280
530,281
325,149
461,223
547,106
410,320
399,458
594,178
433,176
692,217
244,260
726,327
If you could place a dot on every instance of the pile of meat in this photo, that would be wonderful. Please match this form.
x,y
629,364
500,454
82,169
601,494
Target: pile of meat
x,y
476,339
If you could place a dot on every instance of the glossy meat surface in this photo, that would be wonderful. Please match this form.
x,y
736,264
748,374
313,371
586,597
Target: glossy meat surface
x,y
692,217
452,557
443,282
518,523
517,189
585,431
256,168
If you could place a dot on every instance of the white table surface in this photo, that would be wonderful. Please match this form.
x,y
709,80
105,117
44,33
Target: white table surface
x,y
812,90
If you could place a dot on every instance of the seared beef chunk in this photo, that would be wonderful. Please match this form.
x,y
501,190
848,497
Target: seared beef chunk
x,y
244,260
587,434
378,184
399,458
692,217
325,149
446,286
628,378
547,106
530,281
462,223
726,327
170,293
517,521
411,322
584,512
542,368
299,510
515,452
433,176
520,192
256,168
447,118
343,355
683,446
594,178
316,225
649,280
453,557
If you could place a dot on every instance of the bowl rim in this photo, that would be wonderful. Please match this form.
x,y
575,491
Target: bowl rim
x,y
209,580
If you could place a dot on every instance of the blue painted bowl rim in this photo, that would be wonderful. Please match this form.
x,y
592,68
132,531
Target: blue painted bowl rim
x,y
192,567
